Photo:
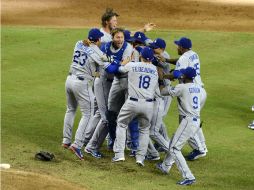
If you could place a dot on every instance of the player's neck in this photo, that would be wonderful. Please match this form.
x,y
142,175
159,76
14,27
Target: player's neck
x,y
106,29
188,81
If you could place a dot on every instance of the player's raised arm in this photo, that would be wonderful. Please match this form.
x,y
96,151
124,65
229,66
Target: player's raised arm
x,y
163,59
147,27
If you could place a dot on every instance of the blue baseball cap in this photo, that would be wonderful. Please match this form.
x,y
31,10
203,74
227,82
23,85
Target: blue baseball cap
x,y
127,36
158,43
139,37
147,53
189,72
184,42
95,34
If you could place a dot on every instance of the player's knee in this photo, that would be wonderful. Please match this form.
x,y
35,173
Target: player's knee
x,y
173,150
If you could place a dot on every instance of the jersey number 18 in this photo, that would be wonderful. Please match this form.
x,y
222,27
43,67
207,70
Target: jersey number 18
x,y
144,82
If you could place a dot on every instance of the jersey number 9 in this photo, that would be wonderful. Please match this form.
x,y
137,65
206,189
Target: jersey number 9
x,y
195,102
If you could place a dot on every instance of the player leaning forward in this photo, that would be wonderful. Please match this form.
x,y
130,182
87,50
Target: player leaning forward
x,y
189,96
142,84
79,88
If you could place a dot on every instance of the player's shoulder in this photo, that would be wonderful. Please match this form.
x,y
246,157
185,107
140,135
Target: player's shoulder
x,y
191,55
128,46
79,44
180,86
165,54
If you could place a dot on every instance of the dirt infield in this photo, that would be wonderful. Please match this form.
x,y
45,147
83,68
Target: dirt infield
x,y
14,179
232,15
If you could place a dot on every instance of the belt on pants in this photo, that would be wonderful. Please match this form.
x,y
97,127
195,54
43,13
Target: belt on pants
x,y
81,78
148,100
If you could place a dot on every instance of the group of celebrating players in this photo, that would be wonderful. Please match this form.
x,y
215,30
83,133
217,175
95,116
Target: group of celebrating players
x,y
121,81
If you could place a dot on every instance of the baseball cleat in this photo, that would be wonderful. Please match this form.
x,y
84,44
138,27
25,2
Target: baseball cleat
x,y
251,126
140,163
94,153
186,182
152,158
132,153
66,146
77,152
195,154
252,108
116,159
160,167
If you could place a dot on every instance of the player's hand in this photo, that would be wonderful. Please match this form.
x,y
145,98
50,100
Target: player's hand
x,y
105,58
161,58
125,61
160,73
149,26
97,74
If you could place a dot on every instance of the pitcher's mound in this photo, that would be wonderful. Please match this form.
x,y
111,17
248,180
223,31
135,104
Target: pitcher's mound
x,y
21,180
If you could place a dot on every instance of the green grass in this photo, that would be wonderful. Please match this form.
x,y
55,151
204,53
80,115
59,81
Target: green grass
x,y
35,63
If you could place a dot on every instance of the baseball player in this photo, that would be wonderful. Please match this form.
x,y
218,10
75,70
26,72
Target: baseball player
x,y
102,83
142,84
189,98
251,125
189,58
79,89
109,22
161,106
119,50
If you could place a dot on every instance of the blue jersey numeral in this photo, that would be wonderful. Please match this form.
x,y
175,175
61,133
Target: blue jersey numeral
x,y
144,82
195,102
79,58
196,67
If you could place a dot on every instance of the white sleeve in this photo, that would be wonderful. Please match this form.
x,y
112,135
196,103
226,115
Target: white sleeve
x,y
172,91
182,63
125,68
98,57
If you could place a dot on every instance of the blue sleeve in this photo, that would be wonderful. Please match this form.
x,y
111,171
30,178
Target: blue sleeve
x,y
113,67
103,47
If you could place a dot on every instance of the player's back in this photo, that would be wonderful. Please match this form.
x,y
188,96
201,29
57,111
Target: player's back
x,y
142,80
84,59
189,100
190,59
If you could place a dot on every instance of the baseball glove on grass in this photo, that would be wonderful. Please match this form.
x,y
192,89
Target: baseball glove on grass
x,y
44,156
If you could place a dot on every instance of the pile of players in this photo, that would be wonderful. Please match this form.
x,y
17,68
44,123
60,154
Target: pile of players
x,y
122,84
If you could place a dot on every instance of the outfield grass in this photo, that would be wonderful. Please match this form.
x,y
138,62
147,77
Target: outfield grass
x,y
35,63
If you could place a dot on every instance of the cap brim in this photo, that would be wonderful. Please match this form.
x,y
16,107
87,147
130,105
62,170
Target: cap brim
x,y
101,34
177,42
153,46
133,39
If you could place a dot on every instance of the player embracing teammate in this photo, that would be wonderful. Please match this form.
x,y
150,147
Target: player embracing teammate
x,y
129,79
